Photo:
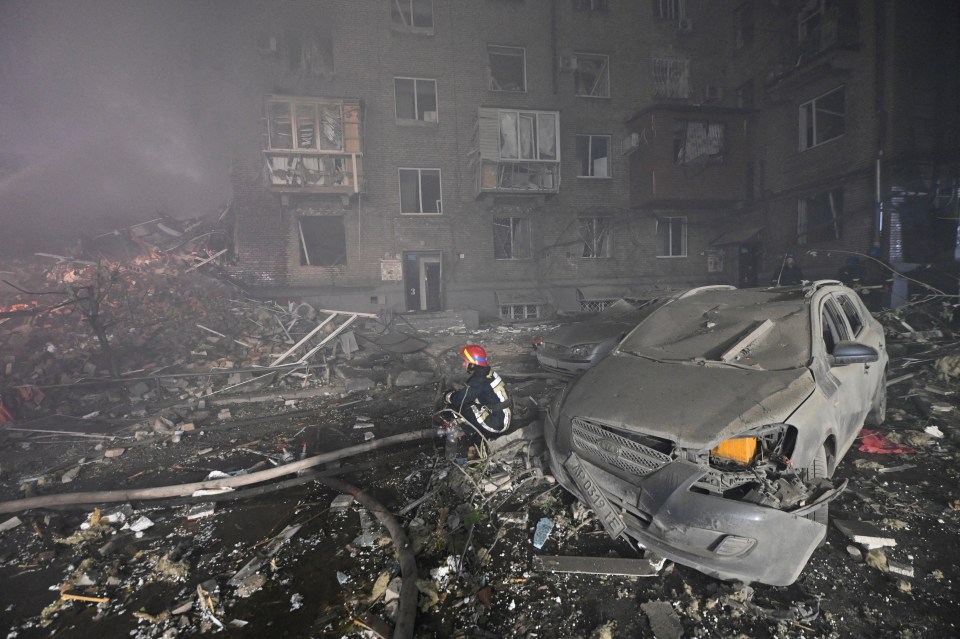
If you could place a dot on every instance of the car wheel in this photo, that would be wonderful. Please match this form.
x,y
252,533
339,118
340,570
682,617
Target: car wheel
x,y
878,407
818,470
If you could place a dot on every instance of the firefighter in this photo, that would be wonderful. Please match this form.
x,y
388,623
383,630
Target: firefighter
x,y
484,401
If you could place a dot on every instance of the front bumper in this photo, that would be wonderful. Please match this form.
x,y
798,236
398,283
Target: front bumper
x,y
723,538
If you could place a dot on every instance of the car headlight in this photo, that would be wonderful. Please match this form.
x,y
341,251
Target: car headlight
x,y
770,442
582,351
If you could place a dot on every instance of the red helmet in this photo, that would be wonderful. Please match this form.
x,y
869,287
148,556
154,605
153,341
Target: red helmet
x,y
474,354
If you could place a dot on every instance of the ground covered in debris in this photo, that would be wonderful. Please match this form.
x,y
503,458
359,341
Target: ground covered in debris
x,y
200,388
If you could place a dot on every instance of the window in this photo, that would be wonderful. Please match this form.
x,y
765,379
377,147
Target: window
x,y
595,306
818,217
595,233
743,27
415,15
591,76
420,191
671,77
506,68
593,156
309,53
697,141
833,328
323,240
850,309
518,150
416,99
305,124
589,5
669,9
822,119
519,311
511,238
672,237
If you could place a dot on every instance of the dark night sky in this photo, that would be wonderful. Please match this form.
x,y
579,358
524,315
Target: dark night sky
x,y
114,110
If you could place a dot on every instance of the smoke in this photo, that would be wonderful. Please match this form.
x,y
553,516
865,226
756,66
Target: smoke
x,y
111,111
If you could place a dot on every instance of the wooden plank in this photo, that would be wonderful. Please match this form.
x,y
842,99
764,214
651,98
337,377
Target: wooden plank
x,y
597,565
752,337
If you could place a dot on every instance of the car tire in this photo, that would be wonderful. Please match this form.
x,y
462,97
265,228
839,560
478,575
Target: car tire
x,y
878,407
818,470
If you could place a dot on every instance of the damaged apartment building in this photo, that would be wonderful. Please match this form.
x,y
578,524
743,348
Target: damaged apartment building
x,y
518,157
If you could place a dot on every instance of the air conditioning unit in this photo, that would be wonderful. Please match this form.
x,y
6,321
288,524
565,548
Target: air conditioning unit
x,y
568,63
629,143
266,45
712,93
684,25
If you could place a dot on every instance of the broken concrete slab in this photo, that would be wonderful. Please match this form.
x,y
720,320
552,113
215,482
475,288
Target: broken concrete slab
x,y
865,533
663,619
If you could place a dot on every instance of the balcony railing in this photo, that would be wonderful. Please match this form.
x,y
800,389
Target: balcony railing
x,y
303,172
523,176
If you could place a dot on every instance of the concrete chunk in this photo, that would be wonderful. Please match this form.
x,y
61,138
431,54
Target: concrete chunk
x,y
864,532
663,619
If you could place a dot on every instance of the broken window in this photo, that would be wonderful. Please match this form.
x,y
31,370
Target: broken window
x,y
669,9
313,125
518,150
822,119
589,5
310,54
671,77
511,238
743,26
416,99
528,135
591,76
818,217
834,330
595,233
850,310
420,191
413,14
506,68
697,141
593,156
323,240
672,237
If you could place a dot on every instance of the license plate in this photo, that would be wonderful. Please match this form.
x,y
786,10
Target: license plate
x,y
594,497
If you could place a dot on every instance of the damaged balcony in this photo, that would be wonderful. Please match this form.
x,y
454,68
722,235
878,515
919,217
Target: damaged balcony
x,y
518,151
313,146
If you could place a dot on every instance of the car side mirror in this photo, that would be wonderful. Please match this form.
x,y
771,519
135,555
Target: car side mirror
x,y
845,353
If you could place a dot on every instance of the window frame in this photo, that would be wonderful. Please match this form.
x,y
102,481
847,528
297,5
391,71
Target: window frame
x,y
604,73
684,223
680,143
525,311
590,158
412,28
523,63
808,121
416,108
420,171
605,237
514,223
851,311
536,138
292,110
305,251
803,217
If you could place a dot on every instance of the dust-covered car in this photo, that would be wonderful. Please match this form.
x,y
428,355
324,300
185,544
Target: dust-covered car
x,y
710,433
575,347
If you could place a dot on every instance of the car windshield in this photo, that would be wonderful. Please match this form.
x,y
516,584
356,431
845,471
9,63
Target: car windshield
x,y
760,328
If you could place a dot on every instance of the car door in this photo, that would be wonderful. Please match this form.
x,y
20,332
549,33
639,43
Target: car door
x,y
851,380
865,332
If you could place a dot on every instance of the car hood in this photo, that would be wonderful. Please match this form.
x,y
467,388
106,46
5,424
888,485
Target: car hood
x,y
694,406
588,332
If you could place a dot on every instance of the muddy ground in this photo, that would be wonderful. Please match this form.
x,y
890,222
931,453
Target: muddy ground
x,y
471,523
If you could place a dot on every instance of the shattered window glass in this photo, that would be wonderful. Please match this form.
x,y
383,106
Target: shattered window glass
x,y
671,77
506,68
695,141
315,125
281,127
420,191
511,238
331,127
413,13
322,240
708,325
823,119
592,76
528,135
595,232
306,126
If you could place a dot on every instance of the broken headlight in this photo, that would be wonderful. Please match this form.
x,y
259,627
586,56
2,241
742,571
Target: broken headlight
x,y
582,351
752,448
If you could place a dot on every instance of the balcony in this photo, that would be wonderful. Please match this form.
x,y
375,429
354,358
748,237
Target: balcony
x,y
517,151
305,172
513,176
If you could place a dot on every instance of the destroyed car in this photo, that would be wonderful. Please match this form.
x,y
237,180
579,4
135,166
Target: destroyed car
x,y
575,347
710,433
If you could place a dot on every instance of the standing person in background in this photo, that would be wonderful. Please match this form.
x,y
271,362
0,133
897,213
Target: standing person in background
x,y
789,273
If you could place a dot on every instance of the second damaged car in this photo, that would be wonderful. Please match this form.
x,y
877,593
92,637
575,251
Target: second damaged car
x,y
711,432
